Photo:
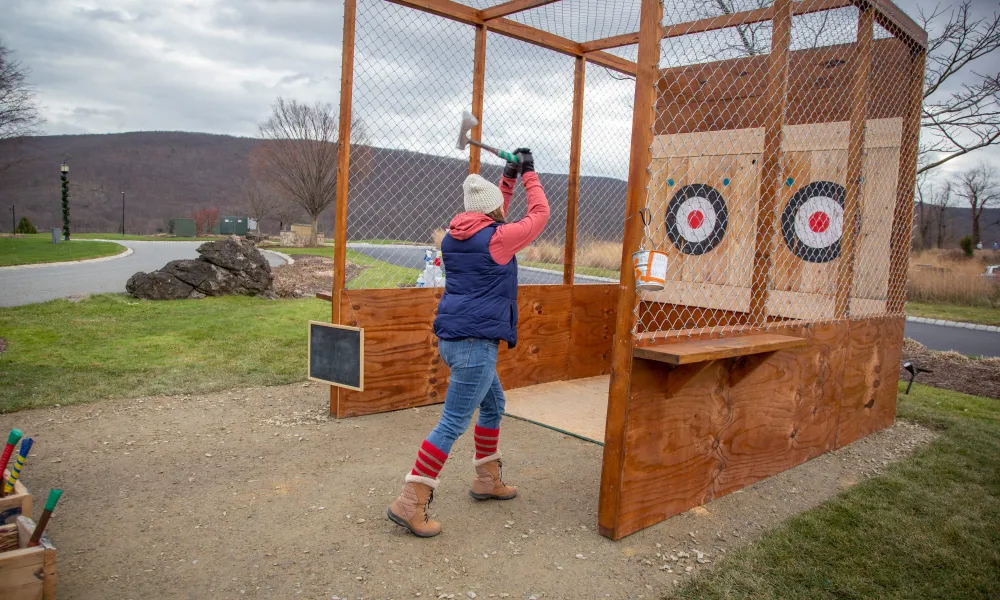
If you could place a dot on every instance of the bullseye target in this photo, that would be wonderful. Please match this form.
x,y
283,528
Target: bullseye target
x,y
697,219
813,222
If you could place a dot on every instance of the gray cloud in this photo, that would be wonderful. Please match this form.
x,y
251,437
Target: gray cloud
x,y
217,65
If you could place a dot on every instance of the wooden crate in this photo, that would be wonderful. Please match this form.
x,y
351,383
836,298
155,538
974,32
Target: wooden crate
x,y
28,573
16,504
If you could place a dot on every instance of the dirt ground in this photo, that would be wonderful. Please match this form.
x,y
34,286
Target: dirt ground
x,y
308,275
953,371
258,494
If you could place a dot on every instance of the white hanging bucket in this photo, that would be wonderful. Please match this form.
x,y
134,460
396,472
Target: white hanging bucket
x,y
650,270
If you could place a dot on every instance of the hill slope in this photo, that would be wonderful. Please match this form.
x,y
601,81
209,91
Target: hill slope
x,y
402,195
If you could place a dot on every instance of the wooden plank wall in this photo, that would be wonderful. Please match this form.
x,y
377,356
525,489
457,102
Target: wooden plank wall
x,y
697,432
564,332
732,94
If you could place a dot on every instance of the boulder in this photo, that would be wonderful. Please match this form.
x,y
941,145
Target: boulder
x,y
230,266
157,286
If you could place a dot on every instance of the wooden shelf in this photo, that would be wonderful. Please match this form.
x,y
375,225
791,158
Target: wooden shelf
x,y
683,353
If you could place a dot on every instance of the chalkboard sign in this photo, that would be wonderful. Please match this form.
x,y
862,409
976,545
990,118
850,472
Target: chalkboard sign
x,y
337,355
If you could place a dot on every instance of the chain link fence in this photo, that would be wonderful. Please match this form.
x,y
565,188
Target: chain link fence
x,y
730,267
822,250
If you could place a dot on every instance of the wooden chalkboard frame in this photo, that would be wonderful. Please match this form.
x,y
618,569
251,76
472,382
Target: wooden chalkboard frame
x,y
361,378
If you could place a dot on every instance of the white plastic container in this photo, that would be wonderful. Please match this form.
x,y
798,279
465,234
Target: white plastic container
x,y
650,270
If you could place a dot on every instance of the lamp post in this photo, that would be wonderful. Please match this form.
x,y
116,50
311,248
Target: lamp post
x,y
123,214
64,171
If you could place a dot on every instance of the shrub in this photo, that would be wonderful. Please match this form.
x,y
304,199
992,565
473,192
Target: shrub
x,y
25,226
967,246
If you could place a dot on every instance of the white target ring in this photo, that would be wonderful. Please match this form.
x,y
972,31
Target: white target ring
x,y
813,221
697,219
819,222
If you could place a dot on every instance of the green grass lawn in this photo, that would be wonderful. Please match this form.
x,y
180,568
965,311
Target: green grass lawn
x,y
35,249
139,238
379,274
953,312
112,345
580,270
928,528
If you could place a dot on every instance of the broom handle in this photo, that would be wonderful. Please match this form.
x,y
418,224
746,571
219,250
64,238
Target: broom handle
x,y
507,156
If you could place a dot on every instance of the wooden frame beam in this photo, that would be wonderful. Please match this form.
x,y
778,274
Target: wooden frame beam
x,y
855,162
770,171
573,187
887,15
509,8
518,31
478,93
647,74
343,175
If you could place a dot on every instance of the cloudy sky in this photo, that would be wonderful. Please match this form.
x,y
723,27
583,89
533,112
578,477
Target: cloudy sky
x,y
217,65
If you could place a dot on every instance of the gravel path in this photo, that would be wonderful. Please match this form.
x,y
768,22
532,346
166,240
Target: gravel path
x,y
40,284
258,494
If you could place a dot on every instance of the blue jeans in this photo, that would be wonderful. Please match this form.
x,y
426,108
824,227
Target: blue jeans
x,y
473,384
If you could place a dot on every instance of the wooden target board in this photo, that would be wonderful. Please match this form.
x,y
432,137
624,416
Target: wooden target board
x,y
704,197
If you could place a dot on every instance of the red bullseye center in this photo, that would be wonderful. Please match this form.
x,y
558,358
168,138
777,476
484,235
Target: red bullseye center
x,y
819,222
695,219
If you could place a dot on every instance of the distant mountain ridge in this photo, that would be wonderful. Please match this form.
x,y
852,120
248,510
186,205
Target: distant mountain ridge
x,y
396,194
401,195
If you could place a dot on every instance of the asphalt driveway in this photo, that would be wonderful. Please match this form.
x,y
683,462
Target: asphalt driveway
x,y
43,283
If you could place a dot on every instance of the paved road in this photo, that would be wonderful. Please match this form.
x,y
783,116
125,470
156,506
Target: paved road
x,y
413,257
966,341
40,284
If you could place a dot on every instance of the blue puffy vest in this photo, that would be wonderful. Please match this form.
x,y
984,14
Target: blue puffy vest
x,y
480,296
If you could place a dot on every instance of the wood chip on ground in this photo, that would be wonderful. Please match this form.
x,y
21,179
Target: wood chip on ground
x,y
953,371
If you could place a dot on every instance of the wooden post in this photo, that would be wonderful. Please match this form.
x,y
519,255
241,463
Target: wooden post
x,y
573,191
770,172
902,221
647,75
478,87
855,161
343,173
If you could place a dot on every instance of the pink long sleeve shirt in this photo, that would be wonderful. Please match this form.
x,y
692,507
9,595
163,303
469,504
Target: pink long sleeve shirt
x,y
510,238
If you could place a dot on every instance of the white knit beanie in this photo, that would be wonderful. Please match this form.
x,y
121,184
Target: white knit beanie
x,y
480,195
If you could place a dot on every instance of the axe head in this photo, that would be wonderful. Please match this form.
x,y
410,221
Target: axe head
x,y
468,122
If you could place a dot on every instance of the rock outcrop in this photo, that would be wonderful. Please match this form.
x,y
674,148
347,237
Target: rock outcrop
x,y
227,267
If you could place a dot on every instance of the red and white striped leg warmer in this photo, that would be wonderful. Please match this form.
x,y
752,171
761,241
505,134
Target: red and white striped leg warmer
x,y
429,463
486,441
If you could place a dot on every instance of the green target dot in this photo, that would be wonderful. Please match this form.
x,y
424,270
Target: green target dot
x,y
725,181
670,182
789,182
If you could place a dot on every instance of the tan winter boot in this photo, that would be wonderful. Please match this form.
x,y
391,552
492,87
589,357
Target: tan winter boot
x,y
410,509
487,484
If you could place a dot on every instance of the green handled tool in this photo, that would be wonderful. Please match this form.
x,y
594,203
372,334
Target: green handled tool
x,y
50,505
468,122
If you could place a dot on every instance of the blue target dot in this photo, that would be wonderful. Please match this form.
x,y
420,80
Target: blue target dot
x,y
725,181
789,182
670,182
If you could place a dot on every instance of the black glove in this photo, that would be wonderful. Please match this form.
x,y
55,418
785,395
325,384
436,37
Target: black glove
x,y
527,160
512,170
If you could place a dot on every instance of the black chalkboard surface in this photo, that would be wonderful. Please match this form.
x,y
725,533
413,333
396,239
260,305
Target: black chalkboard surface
x,y
337,355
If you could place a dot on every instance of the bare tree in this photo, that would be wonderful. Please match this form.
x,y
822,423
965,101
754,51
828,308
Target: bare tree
x,y
299,154
285,213
924,219
18,110
259,201
980,187
959,118
941,201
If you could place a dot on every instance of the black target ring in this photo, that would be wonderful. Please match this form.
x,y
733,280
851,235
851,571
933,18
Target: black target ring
x,y
812,223
697,219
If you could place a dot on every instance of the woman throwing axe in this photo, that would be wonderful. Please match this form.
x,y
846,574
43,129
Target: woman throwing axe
x,y
477,311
